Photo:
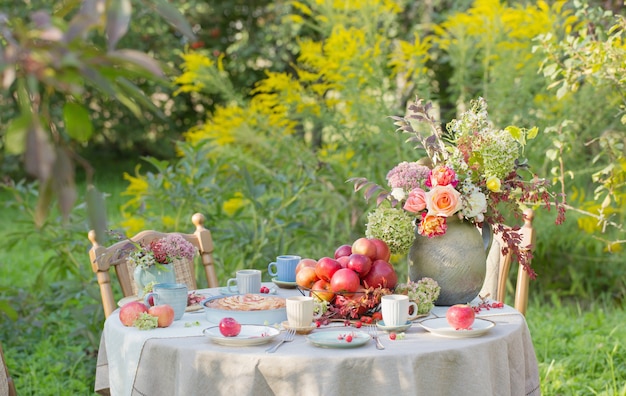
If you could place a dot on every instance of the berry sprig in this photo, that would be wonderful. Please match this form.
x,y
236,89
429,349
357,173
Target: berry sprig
x,y
486,305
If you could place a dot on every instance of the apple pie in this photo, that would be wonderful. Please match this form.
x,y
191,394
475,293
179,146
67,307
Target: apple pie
x,y
247,302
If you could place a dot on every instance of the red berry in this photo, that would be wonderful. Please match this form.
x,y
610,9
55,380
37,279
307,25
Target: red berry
x,y
318,323
349,338
392,336
358,324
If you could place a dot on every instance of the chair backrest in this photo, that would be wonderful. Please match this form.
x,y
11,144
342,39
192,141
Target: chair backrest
x,y
115,256
499,266
7,387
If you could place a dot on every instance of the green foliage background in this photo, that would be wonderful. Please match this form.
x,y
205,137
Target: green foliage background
x,y
268,128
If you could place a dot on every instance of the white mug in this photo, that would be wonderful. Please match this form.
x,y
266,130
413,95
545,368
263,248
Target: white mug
x,y
300,311
247,281
395,309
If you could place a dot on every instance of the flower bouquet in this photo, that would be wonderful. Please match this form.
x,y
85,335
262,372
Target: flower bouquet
x,y
472,171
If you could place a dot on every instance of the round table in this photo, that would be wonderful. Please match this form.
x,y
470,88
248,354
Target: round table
x,y
179,360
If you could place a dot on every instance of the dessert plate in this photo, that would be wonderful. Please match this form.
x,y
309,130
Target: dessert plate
x,y
337,339
224,291
381,325
440,327
249,335
283,284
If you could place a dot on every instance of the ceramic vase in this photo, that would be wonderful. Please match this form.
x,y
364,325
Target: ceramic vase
x,y
457,260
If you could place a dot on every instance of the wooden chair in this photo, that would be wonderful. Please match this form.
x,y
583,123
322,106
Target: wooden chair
x,y
103,258
7,387
499,266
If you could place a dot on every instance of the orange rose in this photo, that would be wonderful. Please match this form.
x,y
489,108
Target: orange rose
x,y
432,226
443,201
416,202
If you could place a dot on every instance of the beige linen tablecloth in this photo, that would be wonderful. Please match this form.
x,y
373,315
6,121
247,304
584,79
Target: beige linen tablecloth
x,y
501,362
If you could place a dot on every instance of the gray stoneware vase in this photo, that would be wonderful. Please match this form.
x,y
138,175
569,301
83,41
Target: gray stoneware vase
x,y
457,260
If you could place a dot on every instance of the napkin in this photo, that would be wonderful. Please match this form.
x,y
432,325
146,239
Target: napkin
x,y
125,344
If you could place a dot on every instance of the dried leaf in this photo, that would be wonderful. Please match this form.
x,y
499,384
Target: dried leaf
x,y
63,182
96,211
381,198
174,18
40,155
43,202
137,58
118,18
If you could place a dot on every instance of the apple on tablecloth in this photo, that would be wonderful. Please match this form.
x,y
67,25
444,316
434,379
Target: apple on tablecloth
x,y
131,311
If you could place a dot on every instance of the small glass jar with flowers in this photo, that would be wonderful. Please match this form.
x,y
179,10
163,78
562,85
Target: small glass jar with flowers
x,y
162,260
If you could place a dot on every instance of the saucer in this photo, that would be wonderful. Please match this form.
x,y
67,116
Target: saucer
x,y
300,330
284,284
402,328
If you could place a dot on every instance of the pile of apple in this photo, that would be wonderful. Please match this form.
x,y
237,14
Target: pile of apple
x,y
363,265
133,311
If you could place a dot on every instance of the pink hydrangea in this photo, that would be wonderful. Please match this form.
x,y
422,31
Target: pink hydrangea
x,y
407,175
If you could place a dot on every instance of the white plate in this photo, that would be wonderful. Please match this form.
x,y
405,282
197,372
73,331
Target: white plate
x,y
249,335
381,325
440,327
336,339
284,284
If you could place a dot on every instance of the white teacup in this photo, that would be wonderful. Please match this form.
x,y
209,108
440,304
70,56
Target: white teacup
x,y
300,311
395,309
247,281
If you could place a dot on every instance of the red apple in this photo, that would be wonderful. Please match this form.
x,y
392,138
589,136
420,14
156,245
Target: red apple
x,y
461,316
306,277
364,246
131,311
326,267
164,314
360,264
343,260
305,262
382,249
381,274
229,327
345,280
343,250
321,290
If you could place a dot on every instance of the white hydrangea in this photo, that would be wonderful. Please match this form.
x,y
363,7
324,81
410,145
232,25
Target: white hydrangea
x,y
475,202
398,193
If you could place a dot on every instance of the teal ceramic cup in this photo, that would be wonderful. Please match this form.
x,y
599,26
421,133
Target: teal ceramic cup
x,y
173,294
284,268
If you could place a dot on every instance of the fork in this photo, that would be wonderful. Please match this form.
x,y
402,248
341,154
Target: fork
x,y
288,337
373,332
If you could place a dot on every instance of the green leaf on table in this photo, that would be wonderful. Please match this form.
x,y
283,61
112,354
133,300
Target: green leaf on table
x,y
77,122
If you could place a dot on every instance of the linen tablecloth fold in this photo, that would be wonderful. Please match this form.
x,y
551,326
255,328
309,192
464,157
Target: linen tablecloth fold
x,y
124,346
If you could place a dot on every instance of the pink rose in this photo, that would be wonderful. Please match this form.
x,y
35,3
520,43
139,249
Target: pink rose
x,y
416,202
443,201
441,176
432,226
